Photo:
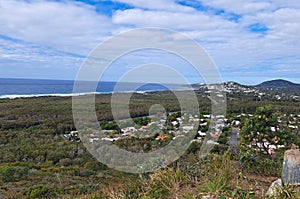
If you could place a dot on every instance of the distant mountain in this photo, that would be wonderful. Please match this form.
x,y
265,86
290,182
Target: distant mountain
x,y
279,84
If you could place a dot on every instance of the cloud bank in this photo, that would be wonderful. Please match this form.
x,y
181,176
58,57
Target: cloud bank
x,y
250,41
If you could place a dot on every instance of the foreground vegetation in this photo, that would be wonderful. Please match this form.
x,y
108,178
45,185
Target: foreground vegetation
x,y
36,161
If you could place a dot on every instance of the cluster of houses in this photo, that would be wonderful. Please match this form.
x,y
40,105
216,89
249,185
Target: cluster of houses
x,y
158,130
186,124
290,121
72,136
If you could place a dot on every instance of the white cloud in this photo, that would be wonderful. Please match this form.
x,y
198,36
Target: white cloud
x,y
21,59
68,26
283,23
76,27
175,20
239,7
27,52
165,5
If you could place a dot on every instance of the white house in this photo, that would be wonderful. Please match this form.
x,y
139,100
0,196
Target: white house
x,y
188,127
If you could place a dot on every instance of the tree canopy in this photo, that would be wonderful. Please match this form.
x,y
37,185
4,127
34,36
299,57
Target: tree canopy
x,y
263,130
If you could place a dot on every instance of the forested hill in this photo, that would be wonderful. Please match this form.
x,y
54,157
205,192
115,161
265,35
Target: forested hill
x,y
278,85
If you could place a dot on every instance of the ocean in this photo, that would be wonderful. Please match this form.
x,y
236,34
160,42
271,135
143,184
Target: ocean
x,y
15,88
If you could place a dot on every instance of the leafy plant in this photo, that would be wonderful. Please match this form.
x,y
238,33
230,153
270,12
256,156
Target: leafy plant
x,y
240,192
285,191
263,131
165,182
40,191
219,172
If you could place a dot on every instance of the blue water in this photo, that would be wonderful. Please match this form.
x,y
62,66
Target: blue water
x,y
12,88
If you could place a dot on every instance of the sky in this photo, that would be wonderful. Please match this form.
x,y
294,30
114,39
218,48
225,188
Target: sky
x,y
250,41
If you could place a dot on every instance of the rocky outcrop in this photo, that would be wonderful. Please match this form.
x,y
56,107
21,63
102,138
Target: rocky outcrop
x,y
291,167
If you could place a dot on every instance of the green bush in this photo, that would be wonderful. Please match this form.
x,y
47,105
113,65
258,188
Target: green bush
x,y
219,170
12,173
40,191
165,183
7,174
86,189
261,164
65,162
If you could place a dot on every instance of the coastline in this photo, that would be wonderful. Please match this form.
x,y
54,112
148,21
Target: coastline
x,y
15,96
29,88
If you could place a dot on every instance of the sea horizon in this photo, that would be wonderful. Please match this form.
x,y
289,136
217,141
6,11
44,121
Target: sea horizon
x,y
23,88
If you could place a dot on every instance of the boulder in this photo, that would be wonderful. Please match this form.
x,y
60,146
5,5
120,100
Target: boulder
x,y
291,167
272,191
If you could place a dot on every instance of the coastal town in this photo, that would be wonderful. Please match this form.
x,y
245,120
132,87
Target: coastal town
x,y
224,131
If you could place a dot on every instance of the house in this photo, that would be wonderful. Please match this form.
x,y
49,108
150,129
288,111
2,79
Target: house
x,y
72,136
161,137
93,139
215,136
194,120
162,120
235,122
126,134
144,127
74,133
293,127
106,131
128,130
201,134
212,142
174,123
203,124
108,139
188,127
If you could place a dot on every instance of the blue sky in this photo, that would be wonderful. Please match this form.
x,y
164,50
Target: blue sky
x,y
250,41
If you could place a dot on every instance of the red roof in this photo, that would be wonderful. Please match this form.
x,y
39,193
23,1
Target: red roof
x,y
160,137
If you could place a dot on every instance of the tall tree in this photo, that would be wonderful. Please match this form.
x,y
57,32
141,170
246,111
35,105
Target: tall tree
x,y
262,131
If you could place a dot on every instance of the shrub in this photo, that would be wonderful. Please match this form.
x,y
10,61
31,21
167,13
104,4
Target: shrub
x,y
65,162
219,170
40,191
165,182
12,173
257,163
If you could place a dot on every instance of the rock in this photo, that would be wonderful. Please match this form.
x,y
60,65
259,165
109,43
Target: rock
x,y
272,191
291,167
102,175
209,197
31,171
293,146
80,152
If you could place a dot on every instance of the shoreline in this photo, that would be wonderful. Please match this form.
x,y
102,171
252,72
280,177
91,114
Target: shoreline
x,y
29,88
16,96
